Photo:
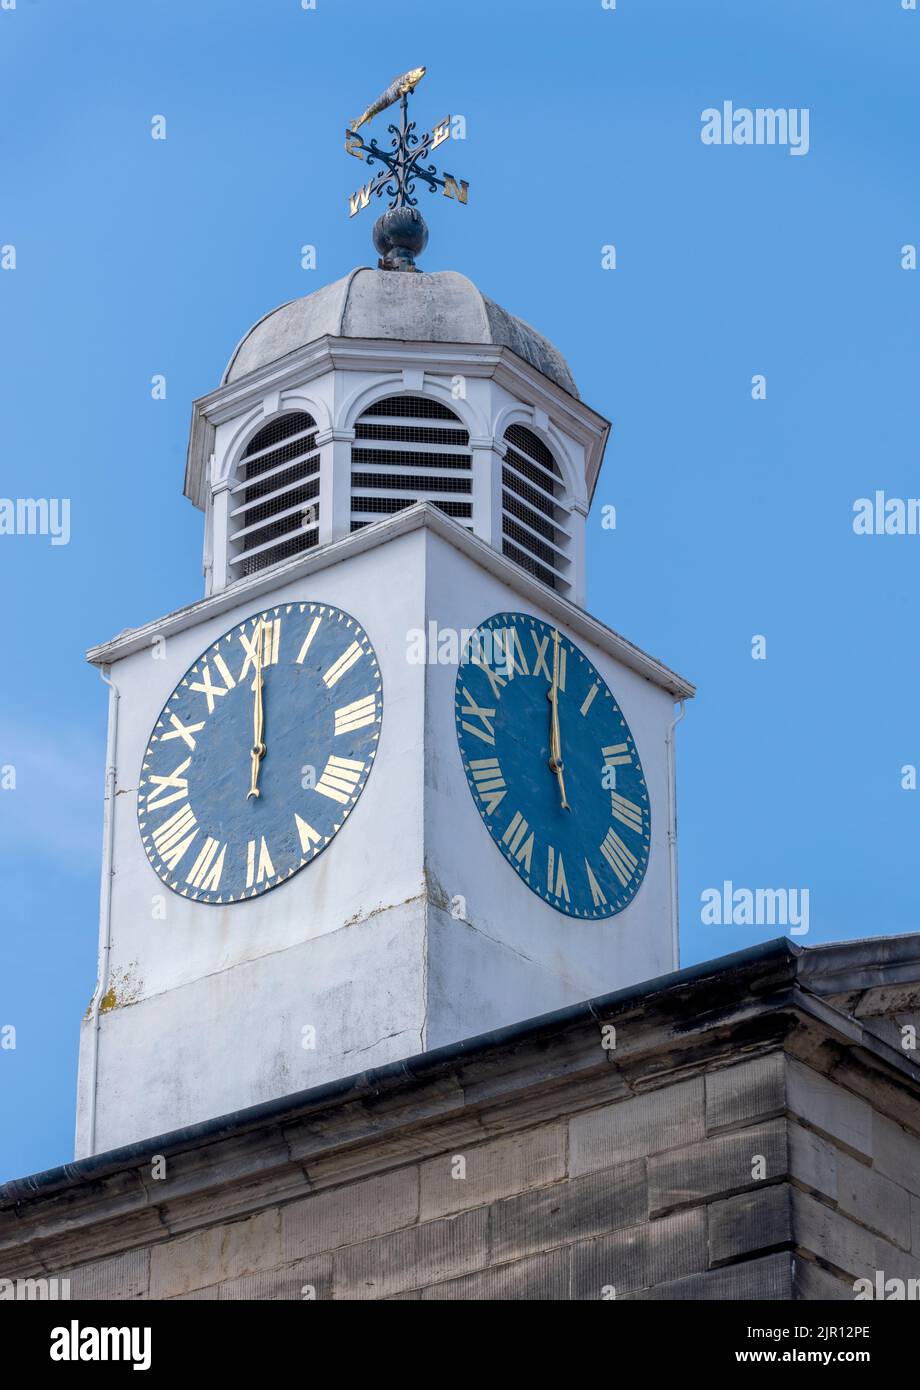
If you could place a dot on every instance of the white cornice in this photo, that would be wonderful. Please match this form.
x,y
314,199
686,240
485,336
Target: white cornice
x,y
422,515
387,356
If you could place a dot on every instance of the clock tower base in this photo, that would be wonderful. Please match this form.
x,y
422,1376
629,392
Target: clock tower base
x,y
409,932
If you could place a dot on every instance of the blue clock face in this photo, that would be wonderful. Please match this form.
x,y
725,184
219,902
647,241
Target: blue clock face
x,y
552,766
260,753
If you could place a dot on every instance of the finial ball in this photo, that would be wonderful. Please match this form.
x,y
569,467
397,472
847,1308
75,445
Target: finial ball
x,y
400,234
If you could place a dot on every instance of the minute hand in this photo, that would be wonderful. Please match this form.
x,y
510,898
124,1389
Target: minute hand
x,y
258,721
555,738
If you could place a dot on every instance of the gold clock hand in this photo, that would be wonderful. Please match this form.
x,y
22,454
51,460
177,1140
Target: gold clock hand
x,y
258,719
555,738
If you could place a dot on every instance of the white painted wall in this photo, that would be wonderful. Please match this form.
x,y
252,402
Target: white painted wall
x,y
211,1002
516,956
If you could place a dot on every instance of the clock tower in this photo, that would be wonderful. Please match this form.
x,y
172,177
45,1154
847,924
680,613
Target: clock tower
x,y
387,784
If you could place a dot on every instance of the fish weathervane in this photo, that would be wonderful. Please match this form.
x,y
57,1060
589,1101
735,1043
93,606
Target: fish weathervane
x,y
401,233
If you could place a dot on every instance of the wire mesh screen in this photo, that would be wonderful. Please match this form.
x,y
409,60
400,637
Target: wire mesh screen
x,y
410,449
534,519
275,501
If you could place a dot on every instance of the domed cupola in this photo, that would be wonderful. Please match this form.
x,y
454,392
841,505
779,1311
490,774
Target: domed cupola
x,y
380,391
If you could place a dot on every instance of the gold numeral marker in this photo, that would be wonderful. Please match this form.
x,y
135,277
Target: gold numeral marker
x,y
158,798
514,838
617,755
308,640
561,889
490,784
206,871
207,687
477,658
621,859
184,731
598,895
487,732
308,836
515,659
627,812
589,698
268,630
173,837
357,715
539,664
265,869
339,779
344,664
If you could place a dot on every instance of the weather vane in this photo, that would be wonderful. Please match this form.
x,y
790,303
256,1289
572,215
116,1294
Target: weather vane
x,y
400,233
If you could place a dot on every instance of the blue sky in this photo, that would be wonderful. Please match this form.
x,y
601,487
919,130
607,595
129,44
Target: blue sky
x,y
137,257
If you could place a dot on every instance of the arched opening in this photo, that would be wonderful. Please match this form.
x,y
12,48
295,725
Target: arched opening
x,y
410,449
535,531
274,506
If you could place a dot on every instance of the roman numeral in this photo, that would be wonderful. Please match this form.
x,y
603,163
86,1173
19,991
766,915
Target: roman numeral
x,y
487,732
173,837
339,779
627,812
514,838
183,731
308,836
268,631
561,889
206,871
507,640
344,664
621,860
357,715
308,640
490,784
539,664
617,755
590,697
159,797
265,868
496,681
206,686
598,895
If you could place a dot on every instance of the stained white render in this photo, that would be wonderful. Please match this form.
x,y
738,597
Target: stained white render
x,y
205,1007
201,1009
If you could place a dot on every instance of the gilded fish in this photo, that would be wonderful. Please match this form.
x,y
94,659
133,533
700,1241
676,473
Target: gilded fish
x,y
397,88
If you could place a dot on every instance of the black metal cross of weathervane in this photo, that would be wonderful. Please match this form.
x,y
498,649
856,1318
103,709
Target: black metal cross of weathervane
x,y
401,234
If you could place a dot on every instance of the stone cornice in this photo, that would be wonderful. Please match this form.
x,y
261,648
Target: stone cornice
x,y
667,1030
585,425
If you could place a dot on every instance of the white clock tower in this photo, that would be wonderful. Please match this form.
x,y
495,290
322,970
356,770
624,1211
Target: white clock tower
x,y
398,448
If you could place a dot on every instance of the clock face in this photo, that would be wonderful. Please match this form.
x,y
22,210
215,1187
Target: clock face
x,y
246,780
563,796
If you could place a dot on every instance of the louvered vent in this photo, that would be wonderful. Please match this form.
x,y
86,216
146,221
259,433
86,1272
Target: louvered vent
x,y
274,508
535,532
410,449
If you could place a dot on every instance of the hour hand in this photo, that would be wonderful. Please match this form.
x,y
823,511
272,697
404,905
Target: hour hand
x,y
258,753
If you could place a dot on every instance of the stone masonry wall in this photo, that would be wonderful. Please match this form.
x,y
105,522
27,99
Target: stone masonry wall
x,y
758,1180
